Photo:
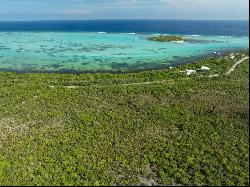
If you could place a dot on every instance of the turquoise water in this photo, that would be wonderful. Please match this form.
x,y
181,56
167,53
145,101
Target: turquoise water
x,y
69,51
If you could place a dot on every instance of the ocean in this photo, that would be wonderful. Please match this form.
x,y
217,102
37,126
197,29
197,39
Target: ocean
x,y
228,28
112,45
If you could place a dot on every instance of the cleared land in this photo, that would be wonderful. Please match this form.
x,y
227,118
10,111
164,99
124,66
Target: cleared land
x,y
178,130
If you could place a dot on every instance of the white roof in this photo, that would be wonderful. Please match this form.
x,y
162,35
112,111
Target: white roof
x,y
205,68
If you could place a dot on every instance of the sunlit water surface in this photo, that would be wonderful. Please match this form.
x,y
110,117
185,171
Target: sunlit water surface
x,y
84,52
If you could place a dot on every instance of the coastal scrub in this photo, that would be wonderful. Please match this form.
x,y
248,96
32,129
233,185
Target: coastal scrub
x,y
154,127
167,38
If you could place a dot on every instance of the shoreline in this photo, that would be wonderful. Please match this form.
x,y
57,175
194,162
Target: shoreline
x,y
53,123
173,63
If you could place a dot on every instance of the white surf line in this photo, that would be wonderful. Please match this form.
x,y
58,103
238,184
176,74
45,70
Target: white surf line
x,y
235,65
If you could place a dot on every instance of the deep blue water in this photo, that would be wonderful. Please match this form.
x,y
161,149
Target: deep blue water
x,y
113,46
221,28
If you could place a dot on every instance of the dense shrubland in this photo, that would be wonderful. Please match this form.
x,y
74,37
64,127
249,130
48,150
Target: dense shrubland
x,y
188,130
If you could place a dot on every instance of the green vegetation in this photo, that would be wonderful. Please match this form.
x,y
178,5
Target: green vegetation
x,y
170,128
164,38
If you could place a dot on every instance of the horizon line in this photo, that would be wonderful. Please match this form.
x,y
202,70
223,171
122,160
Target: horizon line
x,y
124,19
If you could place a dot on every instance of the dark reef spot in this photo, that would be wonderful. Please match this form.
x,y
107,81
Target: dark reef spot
x,y
120,54
115,65
85,63
176,56
4,47
55,66
29,66
98,60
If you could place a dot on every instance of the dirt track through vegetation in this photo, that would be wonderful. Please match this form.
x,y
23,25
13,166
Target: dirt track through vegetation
x,y
152,82
235,65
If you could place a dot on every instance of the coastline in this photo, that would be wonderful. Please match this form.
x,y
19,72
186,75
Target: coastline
x,y
105,53
171,63
78,124
124,93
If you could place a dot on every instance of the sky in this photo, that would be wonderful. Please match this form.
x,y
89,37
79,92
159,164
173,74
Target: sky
x,y
123,9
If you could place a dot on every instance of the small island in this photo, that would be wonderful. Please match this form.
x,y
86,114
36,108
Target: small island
x,y
168,38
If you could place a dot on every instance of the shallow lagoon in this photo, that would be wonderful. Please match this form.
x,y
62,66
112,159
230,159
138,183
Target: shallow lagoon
x,y
83,52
